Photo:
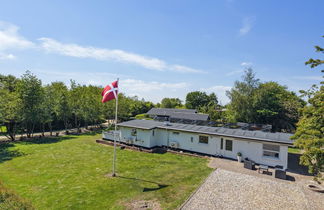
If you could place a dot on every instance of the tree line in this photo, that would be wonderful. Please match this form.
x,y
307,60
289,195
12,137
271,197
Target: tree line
x,y
27,106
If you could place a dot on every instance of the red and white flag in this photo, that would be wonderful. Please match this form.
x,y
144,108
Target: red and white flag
x,y
110,92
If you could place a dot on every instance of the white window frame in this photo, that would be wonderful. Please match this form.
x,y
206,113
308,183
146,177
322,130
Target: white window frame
x,y
269,150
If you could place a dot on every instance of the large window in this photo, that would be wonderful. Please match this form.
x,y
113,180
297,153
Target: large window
x,y
270,150
229,145
203,139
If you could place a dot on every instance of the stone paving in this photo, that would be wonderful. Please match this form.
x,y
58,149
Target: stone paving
x,y
231,190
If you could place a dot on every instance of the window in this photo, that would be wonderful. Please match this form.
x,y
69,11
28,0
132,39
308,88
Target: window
x,y
203,139
229,145
270,150
134,132
191,139
175,133
222,143
152,132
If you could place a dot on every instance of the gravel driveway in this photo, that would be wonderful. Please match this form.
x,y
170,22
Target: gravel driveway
x,y
231,190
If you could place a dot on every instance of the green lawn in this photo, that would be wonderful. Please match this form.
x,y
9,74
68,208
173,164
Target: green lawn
x,y
294,150
69,173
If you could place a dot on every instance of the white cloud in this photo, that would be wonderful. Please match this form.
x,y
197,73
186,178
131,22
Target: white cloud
x,y
74,50
7,56
220,92
313,78
247,25
246,64
11,40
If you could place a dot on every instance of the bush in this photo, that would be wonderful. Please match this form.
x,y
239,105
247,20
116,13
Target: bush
x,y
143,117
9,200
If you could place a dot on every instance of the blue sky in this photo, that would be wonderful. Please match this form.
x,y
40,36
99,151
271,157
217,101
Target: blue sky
x,y
162,48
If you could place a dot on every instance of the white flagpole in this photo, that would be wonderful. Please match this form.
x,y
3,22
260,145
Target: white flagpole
x,y
115,134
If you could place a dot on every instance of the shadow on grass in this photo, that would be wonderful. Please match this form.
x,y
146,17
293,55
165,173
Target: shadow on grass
x,y
145,189
47,140
8,154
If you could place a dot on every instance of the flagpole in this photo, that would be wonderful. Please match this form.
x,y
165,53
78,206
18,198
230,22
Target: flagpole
x,y
115,134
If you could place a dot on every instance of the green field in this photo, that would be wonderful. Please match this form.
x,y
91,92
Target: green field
x,y
69,173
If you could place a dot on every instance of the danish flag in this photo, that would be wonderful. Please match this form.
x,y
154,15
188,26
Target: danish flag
x,y
110,92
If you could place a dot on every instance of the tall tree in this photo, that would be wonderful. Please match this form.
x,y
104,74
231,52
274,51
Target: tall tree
x,y
310,131
31,94
10,114
241,96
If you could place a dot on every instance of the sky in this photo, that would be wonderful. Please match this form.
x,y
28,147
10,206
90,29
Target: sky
x,y
162,48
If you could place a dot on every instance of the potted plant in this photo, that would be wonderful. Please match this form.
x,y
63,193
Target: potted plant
x,y
239,157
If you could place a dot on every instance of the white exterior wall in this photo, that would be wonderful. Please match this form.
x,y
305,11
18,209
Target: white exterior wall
x,y
254,151
142,138
162,137
184,141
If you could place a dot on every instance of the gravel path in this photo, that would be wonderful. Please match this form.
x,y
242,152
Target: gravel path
x,y
230,190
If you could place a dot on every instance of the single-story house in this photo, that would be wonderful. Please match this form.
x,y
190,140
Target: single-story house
x,y
262,147
178,115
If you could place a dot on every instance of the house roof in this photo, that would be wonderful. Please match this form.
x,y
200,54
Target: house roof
x,y
168,111
276,137
190,116
186,114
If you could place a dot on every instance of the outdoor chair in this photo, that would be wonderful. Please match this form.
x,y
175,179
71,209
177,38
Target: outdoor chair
x,y
249,164
280,173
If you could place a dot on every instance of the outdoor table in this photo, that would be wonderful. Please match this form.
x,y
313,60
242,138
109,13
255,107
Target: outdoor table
x,y
263,168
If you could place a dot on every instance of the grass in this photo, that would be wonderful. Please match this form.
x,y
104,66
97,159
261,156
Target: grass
x,y
9,200
294,150
69,173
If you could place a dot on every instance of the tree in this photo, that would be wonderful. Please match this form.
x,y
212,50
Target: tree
x,y
274,104
171,103
31,94
200,100
310,131
316,62
310,134
10,111
77,95
241,96
47,111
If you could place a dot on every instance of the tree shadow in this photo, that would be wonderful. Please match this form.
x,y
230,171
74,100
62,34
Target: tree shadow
x,y
145,189
7,154
47,140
